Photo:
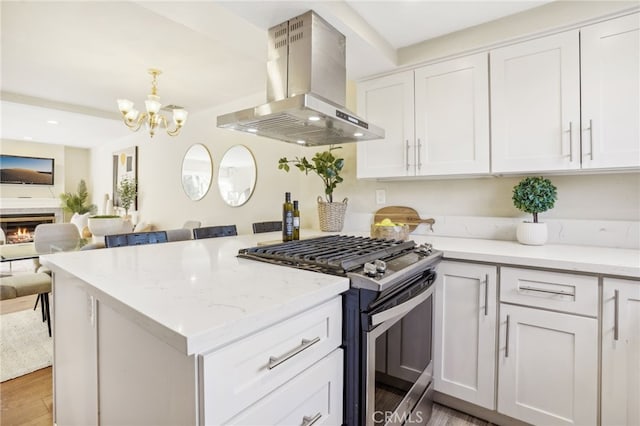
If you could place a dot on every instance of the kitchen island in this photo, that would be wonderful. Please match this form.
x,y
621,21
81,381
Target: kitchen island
x,y
183,332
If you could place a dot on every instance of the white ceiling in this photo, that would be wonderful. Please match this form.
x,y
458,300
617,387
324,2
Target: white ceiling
x,y
70,61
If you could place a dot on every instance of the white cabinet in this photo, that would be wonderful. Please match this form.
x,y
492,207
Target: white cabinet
x,y
447,133
75,385
568,101
110,369
620,352
236,376
465,332
610,71
535,105
452,117
548,361
387,102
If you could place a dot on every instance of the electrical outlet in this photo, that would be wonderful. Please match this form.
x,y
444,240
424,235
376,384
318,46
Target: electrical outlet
x,y
381,196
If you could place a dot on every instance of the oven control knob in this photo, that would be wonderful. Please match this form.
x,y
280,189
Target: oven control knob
x,y
381,266
425,249
370,269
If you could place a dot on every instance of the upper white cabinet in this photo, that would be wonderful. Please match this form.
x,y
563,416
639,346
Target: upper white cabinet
x,y
387,102
535,105
610,93
620,352
568,101
447,133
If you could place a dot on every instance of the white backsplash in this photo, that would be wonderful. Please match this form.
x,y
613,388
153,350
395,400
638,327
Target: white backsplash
x,y
600,233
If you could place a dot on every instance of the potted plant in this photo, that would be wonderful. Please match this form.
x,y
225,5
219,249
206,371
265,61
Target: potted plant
x,y
328,167
533,195
127,192
78,205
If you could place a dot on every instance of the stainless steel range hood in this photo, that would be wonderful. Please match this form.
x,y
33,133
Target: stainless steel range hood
x,y
306,87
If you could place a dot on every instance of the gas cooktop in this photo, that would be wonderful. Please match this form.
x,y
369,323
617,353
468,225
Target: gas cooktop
x,y
369,262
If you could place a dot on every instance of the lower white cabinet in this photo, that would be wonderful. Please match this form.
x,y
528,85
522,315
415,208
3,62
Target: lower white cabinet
x,y
548,367
312,397
548,361
110,370
236,376
465,332
620,352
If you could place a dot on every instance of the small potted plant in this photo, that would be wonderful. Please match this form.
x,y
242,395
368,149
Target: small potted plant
x,y
127,192
78,205
533,195
328,167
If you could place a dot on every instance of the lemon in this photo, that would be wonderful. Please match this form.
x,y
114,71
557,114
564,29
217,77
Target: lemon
x,y
386,222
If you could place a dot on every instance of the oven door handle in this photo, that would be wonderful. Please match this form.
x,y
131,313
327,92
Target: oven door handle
x,y
402,308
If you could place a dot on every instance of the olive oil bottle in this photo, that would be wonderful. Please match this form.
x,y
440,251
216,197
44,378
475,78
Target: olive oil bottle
x,y
287,218
296,220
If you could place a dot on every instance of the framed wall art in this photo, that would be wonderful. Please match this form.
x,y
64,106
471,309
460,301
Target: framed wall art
x,y
125,165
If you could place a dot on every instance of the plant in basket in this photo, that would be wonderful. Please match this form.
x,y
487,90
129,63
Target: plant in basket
x,y
328,167
533,195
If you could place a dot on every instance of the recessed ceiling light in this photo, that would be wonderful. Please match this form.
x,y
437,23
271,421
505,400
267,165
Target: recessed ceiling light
x,y
27,138
52,122
252,130
301,142
357,134
314,118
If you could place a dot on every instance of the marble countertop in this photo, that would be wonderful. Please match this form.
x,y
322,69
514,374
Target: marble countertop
x,y
197,295
597,260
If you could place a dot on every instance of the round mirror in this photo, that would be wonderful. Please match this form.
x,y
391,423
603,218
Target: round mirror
x,y
197,170
237,175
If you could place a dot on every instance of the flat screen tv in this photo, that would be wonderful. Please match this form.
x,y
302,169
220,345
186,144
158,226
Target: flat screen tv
x,y
26,170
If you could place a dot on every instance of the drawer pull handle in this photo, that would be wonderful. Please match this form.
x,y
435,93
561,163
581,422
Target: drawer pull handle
x,y
275,361
506,340
486,295
616,316
541,290
419,159
570,131
308,421
407,159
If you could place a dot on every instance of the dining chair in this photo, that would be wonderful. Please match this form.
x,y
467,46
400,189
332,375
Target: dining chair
x,y
135,239
215,231
51,237
269,226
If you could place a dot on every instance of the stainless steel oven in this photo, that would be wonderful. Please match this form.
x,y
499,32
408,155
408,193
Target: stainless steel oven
x,y
387,321
388,345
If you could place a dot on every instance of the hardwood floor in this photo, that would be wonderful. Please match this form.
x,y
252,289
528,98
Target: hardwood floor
x,y
27,400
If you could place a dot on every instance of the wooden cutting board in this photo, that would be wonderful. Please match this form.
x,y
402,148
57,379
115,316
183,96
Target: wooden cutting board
x,y
400,214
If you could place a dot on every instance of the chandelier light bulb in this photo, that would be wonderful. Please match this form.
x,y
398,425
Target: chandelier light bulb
x,y
152,118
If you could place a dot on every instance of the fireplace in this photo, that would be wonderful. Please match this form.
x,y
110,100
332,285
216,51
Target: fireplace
x,y
19,228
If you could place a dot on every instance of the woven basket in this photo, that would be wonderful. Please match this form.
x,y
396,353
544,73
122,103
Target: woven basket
x,y
331,215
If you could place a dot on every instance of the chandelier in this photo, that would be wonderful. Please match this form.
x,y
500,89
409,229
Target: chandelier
x,y
152,118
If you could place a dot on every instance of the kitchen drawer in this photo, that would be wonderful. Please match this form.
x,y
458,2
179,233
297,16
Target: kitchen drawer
x,y
238,375
314,396
577,294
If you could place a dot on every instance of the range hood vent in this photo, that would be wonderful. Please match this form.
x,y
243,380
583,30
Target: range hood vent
x,y
306,87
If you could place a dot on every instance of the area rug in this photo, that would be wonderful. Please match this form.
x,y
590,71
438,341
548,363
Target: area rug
x,y
25,345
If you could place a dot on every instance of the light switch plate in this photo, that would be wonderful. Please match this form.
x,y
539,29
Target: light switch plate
x,y
381,196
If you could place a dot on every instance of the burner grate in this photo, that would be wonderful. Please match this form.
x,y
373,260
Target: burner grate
x,y
336,254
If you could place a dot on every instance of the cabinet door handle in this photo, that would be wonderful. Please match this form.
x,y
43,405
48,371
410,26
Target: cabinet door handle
x,y
275,361
570,131
308,421
590,129
542,290
616,314
506,340
407,160
419,155
486,295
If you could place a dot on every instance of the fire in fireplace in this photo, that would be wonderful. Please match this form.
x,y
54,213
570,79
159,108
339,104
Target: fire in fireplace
x,y
19,228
